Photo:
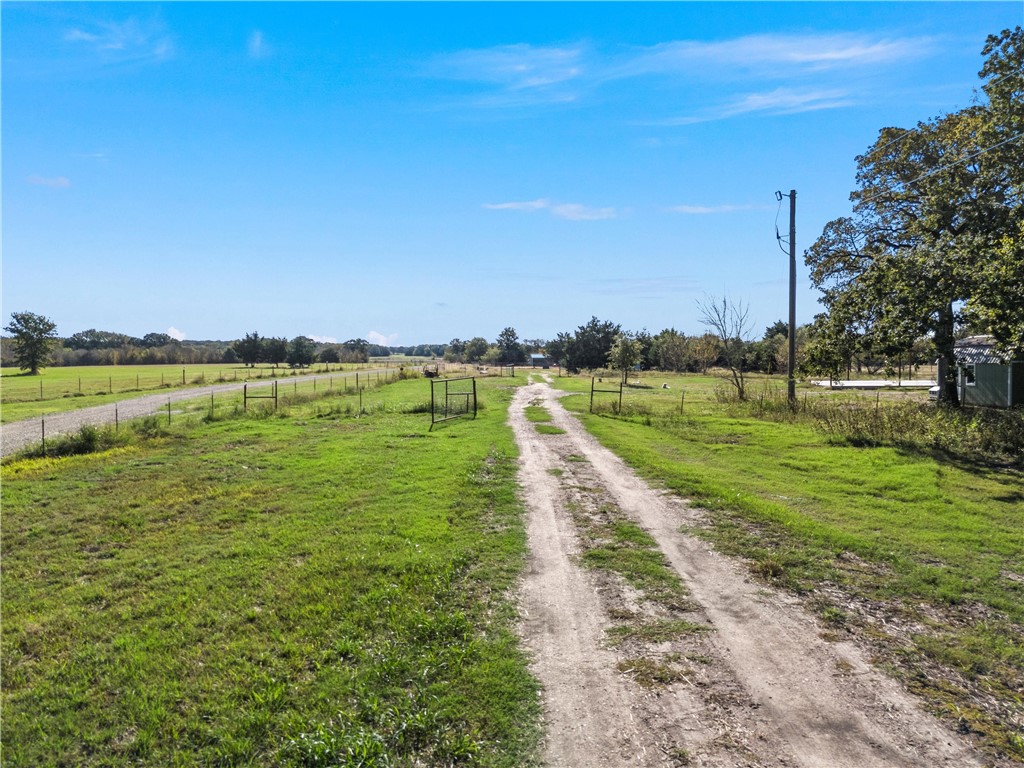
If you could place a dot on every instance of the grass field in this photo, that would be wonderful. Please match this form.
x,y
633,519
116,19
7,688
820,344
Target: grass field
x,y
65,388
321,586
917,552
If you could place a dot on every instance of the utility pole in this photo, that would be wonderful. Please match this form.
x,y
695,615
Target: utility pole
x,y
791,384
791,366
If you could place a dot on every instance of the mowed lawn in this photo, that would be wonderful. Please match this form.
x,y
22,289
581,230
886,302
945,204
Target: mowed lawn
x,y
918,553
317,587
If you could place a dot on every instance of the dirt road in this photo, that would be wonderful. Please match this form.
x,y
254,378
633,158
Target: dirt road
x,y
760,688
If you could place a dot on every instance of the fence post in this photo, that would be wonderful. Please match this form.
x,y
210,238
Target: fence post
x,y
474,397
682,401
591,394
43,422
620,397
275,394
245,398
110,384
183,377
40,389
116,420
169,411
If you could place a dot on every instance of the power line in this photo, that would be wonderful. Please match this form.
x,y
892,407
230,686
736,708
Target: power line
x,y
911,130
779,238
940,168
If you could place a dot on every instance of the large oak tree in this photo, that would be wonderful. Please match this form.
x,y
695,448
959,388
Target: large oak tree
x,y
934,239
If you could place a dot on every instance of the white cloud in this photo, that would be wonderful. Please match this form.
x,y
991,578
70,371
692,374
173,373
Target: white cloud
x,y
570,211
258,47
699,210
323,339
381,340
58,182
174,333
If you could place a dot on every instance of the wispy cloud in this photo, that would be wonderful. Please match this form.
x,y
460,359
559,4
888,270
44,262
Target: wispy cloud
x,y
101,156
781,101
129,40
569,211
526,205
703,210
57,182
174,333
257,47
649,287
323,339
521,75
811,52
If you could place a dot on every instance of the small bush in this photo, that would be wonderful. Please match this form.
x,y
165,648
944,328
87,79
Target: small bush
x,y
89,439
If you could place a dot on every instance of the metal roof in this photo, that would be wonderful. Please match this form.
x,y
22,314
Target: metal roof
x,y
976,349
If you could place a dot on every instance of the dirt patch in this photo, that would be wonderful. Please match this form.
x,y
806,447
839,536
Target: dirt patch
x,y
723,672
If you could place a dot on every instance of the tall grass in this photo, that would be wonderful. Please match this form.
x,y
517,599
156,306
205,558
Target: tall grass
x,y
981,432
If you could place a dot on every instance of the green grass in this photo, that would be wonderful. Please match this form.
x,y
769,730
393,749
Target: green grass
x,y
934,541
70,388
549,429
316,586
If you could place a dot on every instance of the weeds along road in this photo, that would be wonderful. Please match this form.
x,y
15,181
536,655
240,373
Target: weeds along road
x,y
742,677
21,434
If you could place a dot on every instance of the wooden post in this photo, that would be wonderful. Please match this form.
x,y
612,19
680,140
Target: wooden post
x,y
110,384
43,422
40,389
245,398
682,400
168,411
183,377
591,394
116,422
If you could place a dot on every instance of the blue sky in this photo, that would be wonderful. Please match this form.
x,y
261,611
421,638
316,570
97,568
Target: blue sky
x,y
411,173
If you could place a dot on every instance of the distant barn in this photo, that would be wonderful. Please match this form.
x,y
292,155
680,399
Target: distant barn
x,y
984,378
540,361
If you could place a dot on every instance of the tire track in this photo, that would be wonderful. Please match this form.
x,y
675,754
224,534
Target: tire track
x,y
770,693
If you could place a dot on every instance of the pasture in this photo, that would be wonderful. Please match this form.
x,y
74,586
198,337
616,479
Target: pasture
x,y
326,584
65,388
916,551
332,583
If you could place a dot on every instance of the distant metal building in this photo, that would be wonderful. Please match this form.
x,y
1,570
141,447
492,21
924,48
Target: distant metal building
x,y
984,378
540,361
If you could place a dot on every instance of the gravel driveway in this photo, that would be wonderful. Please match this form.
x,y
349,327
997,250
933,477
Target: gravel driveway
x,y
21,434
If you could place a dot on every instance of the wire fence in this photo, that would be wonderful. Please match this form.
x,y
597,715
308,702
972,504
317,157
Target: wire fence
x,y
127,381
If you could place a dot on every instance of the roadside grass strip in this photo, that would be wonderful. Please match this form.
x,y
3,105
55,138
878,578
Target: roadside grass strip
x,y
304,588
916,552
